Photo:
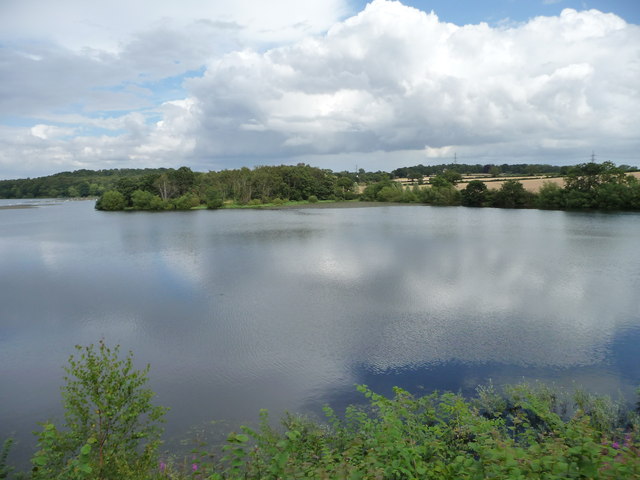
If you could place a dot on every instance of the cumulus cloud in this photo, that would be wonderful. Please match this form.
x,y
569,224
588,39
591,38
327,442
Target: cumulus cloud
x,y
393,77
391,82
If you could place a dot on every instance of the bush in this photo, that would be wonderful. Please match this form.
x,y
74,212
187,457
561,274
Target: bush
x,y
111,200
391,193
157,203
441,196
313,199
550,196
110,429
186,202
525,432
142,200
350,195
5,470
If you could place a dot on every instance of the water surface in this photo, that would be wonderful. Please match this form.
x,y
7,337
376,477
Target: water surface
x,y
238,310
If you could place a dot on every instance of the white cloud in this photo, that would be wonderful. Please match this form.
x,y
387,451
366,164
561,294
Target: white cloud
x,y
78,24
46,132
396,78
390,81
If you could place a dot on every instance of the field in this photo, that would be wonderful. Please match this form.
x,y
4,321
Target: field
x,y
530,183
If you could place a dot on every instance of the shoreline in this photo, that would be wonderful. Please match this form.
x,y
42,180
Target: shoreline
x,y
15,207
324,205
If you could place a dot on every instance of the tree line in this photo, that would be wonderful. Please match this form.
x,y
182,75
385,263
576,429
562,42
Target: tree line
x,y
79,183
520,169
184,189
601,186
93,183
587,186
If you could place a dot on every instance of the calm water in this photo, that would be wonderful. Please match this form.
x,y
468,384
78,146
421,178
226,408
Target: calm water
x,y
287,310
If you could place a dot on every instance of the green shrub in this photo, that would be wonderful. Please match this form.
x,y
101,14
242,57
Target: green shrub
x,y
186,202
551,196
5,470
520,434
142,200
445,195
313,199
523,432
110,429
111,200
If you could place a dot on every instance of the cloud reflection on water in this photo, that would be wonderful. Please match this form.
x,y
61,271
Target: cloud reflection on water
x,y
240,310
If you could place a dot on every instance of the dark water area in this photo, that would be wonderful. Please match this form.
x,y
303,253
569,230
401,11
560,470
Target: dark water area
x,y
238,310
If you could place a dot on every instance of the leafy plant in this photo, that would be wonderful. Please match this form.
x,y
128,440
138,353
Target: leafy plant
x,y
521,432
5,470
110,429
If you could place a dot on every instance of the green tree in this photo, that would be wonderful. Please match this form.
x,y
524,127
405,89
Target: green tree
x,y
495,171
448,177
186,202
452,176
141,200
166,187
474,194
213,199
370,193
111,200
612,196
345,188
512,195
587,177
183,179
95,189
111,427
126,186
445,195
550,196
390,193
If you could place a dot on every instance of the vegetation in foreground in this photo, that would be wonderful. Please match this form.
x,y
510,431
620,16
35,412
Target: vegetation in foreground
x,y
111,431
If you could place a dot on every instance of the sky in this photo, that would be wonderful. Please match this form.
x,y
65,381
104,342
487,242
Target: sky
x,y
335,84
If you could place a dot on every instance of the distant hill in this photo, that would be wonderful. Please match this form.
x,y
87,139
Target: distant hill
x,y
79,183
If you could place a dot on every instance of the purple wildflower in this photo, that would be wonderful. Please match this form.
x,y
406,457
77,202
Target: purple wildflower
x,y
627,440
615,445
194,467
162,467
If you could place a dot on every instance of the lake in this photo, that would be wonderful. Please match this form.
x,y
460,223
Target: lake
x,y
238,310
